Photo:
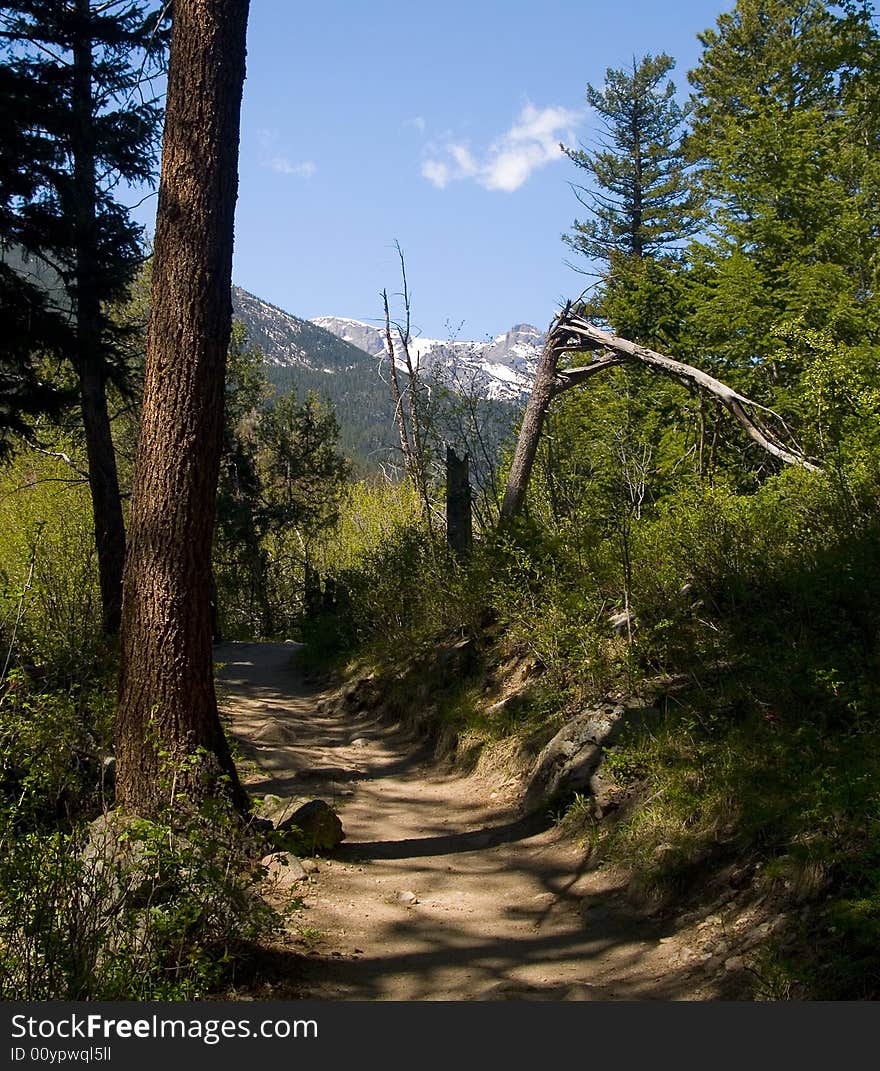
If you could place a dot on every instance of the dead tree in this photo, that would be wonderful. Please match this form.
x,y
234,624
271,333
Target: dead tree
x,y
409,405
570,333
459,521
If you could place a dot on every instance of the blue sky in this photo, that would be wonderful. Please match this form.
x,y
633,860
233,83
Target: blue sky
x,y
436,125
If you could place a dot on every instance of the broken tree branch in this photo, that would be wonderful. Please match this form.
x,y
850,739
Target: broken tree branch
x,y
570,333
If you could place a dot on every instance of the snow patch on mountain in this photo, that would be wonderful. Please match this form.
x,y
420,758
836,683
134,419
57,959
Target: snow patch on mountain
x,y
502,367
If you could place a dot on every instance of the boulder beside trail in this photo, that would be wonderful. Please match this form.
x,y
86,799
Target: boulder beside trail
x,y
319,824
308,824
119,863
283,871
570,762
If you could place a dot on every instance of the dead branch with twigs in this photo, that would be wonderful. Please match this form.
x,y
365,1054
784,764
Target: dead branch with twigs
x,y
409,406
571,333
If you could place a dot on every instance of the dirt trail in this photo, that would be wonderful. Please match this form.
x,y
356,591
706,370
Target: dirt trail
x,y
440,891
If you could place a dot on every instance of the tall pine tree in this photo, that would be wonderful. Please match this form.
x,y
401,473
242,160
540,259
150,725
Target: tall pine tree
x,y
785,135
639,198
167,718
78,69
34,331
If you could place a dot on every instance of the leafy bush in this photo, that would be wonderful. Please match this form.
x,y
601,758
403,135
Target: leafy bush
x,y
49,600
138,911
53,749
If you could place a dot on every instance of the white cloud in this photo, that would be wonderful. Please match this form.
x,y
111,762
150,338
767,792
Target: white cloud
x,y
284,167
436,172
532,142
417,122
277,161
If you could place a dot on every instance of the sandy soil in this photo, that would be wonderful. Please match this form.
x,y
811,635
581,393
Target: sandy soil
x,y
441,890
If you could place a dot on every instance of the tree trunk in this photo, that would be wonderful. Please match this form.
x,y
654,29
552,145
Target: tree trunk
x,y
459,522
169,738
530,432
103,477
103,485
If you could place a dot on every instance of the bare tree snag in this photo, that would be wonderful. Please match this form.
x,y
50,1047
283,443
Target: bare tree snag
x,y
533,424
169,740
399,415
545,387
459,519
570,333
410,415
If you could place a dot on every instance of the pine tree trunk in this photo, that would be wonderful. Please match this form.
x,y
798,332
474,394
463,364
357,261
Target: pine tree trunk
x,y
103,477
103,485
169,736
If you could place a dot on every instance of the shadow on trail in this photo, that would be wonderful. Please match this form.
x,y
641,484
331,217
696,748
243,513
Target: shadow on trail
x,y
419,905
448,844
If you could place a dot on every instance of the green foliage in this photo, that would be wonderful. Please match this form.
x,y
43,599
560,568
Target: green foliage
x,y
166,910
281,478
84,122
53,749
785,136
640,200
160,910
49,597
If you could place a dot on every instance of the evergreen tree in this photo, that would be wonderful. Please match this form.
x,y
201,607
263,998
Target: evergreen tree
x,y
785,134
33,330
77,70
785,130
640,199
281,472
643,207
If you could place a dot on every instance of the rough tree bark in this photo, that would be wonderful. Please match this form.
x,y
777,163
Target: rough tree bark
x,y
544,388
169,739
570,333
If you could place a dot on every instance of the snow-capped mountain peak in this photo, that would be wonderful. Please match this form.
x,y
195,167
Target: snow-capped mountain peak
x,y
502,367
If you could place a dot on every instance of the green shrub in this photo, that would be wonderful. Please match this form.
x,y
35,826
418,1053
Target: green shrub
x,y
49,598
53,747
160,910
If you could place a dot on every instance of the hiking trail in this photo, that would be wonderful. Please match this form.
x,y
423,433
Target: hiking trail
x,y
441,890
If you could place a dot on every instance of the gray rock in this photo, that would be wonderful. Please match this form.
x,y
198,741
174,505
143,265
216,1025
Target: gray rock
x,y
364,693
278,809
117,863
301,824
569,762
318,824
273,731
283,871
622,623
458,660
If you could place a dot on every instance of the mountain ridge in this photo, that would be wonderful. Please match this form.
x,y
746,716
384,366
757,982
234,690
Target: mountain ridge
x,y
499,368
305,357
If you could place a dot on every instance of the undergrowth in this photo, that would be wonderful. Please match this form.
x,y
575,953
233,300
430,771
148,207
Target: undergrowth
x,y
94,906
756,615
